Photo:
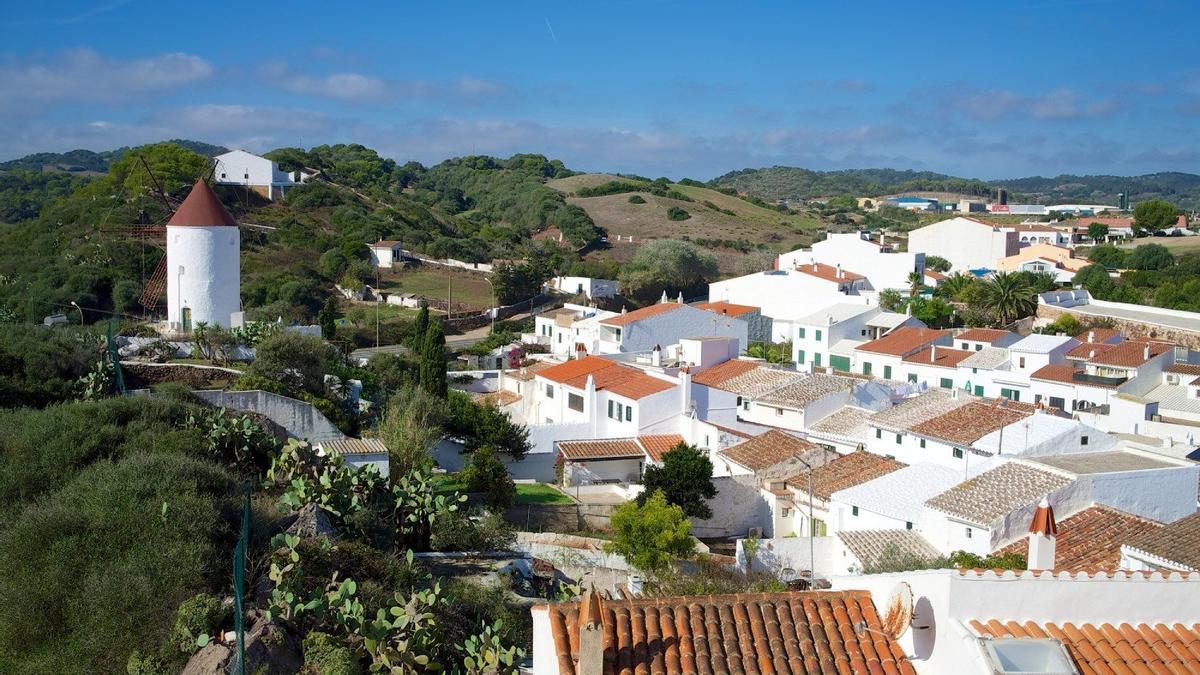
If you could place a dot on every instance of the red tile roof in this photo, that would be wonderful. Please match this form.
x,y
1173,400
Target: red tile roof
x,y
1090,539
727,308
720,373
1184,368
1065,373
605,448
966,424
828,272
935,275
750,633
1098,335
844,472
769,449
903,341
1105,648
608,375
1130,353
656,444
201,208
988,335
945,357
639,314
1177,542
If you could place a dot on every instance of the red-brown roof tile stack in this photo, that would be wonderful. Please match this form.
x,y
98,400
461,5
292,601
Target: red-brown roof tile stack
x,y
656,444
769,449
988,335
1090,539
639,314
795,632
605,448
607,374
904,341
1105,648
966,424
846,471
942,357
727,308
718,374
828,272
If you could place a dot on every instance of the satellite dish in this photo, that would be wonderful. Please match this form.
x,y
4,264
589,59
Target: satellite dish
x,y
899,613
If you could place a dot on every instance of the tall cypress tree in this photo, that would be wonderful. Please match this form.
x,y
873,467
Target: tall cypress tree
x,y
420,328
433,360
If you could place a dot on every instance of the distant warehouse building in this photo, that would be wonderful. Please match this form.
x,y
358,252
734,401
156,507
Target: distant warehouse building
x,y
913,203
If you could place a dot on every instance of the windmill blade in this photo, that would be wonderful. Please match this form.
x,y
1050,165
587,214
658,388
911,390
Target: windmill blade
x,y
155,289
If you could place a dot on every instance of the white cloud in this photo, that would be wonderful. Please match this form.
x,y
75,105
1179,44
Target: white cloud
x,y
362,88
86,76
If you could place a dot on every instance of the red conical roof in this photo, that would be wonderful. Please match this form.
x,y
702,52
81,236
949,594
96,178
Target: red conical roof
x,y
202,208
1043,520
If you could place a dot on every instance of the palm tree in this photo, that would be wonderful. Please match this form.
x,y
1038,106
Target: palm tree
x,y
953,285
1009,296
915,281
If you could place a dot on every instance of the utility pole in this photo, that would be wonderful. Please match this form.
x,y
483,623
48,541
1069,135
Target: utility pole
x,y
449,296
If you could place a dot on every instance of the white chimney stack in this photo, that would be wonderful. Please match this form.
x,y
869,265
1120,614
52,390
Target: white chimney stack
x,y
656,357
664,296
932,353
1043,535
839,271
680,297
1091,336
1146,352
815,266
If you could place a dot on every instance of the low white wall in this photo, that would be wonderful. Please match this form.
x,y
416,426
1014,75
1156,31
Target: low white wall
x,y
300,419
535,466
737,507
774,555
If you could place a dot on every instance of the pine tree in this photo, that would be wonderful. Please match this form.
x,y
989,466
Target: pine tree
x,y
327,318
433,360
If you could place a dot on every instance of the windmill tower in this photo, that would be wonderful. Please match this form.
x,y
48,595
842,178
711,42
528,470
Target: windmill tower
x,y
203,262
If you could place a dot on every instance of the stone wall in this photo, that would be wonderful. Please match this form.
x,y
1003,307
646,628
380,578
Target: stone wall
x,y
1186,338
300,420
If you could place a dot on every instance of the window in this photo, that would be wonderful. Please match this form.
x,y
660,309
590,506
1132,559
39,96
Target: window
x,y
628,413
898,438
560,338
787,513
946,383
887,372
817,359
1021,362
964,346
222,174
618,334
907,525
867,368
746,405
854,510
958,453
1010,394
922,442
1083,440
818,338
779,412
610,409
979,390
801,332
978,348
969,533
879,433
800,356
575,402
912,378
246,176
549,391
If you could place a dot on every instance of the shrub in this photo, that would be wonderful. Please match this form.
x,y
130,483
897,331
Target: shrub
x,y
326,655
458,532
486,474
637,199
676,213
198,616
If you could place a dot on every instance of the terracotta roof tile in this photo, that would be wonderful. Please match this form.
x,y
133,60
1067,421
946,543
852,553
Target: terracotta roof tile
x,y
727,308
1091,538
201,208
870,546
643,313
1130,353
846,471
1098,335
750,382
1105,648
988,335
526,373
966,424
1177,542
804,391
605,448
769,449
751,634
608,375
913,411
828,272
718,374
1184,368
997,492
939,357
904,340
656,444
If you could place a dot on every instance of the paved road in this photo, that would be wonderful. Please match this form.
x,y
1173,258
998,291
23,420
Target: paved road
x,y
480,334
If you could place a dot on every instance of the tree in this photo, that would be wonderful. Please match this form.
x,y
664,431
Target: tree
x,y
1097,232
126,294
651,534
955,285
937,263
1009,296
676,213
1155,214
298,362
666,264
890,299
1108,255
1041,282
915,281
327,318
171,166
685,479
433,360
412,426
420,329
486,474
1150,257
1095,279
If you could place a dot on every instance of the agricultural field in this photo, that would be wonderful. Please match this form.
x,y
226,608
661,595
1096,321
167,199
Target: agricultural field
x,y
471,290
1177,245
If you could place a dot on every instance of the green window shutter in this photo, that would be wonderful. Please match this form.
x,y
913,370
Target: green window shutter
x,y
887,372
801,333
947,383
800,356
817,359
912,378
979,390
878,433
867,368
818,335
922,442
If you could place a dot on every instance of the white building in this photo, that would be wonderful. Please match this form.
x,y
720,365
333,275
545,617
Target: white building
x,y
787,294
882,265
829,336
893,501
968,244
386,254
666,323
203,263
259,174
586,286
564,329
884,356
611,398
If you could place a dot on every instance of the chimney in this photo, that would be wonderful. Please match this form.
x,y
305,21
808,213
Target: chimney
x,y
1091,336
908,309
680,300
580,350
1146,352
664,296
932,353
840,274
685,389
656,357
1043,534
816,267
591,634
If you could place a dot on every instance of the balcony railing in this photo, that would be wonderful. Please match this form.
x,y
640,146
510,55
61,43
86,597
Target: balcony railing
x,y
1106,380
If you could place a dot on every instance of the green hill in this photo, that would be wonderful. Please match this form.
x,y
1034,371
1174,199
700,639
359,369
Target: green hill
x,y
782,182
87,161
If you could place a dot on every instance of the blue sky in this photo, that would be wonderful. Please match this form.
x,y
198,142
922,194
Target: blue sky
x,y
988,90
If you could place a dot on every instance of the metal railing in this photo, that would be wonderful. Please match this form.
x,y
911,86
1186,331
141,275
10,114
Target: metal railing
x,y
239,590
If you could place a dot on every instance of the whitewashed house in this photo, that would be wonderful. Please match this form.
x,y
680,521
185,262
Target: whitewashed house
x,y
586,286
829,337
893,501
787,294
386,254
884,357
666,323
882,264
968,244
256,173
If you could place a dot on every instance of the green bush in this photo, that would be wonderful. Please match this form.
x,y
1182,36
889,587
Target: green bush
x,y
637,199
486,474
199,615
326,655
146,664
676,213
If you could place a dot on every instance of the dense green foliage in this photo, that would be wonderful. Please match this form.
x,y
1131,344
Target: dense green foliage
x,y
651,534
684,479
1154,215
664,264
40,365
23,194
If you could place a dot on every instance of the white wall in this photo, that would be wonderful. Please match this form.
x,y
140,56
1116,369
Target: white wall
x,y
671,327
966,244
239,167
777,293
883,270
203,274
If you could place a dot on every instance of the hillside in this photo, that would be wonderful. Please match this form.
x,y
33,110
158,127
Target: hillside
x,y
782,182
89,162
715,220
